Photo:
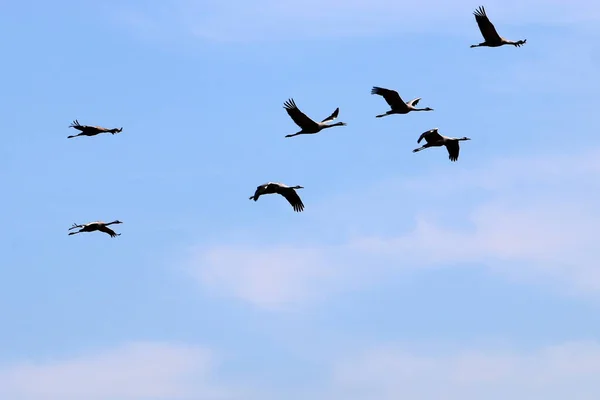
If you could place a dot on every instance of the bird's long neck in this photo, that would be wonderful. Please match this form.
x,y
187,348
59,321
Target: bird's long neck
x,y
332,125
110,223
420,109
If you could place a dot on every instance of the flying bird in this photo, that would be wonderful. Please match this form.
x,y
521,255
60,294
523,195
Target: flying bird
x,y
87,130
434,139
492,39
289,192
308,125
96,226
398,106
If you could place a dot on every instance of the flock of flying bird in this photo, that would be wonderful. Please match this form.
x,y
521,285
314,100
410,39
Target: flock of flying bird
x,y
397,106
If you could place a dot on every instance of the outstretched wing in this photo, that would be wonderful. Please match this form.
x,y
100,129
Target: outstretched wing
x,y
391,97
106,229
298,116
453,149
259,191
485,26
332,116
292,197
430,136
75,226
88,128
75,124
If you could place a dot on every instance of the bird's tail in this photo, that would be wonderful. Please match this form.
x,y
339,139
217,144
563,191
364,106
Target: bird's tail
x,y
419,149
382,115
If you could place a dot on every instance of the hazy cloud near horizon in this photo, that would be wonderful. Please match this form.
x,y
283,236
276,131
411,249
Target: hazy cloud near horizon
x,y
161,371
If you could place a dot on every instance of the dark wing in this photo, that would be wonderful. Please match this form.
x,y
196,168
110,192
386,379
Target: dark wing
x,y
391,97
298,116
259,190
453,149
292,197
75,226
332,116
431,136
87,128
75,124
485,26
106,229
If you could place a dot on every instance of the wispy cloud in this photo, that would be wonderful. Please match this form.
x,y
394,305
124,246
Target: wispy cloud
x,y
277,20
274,277
566,371
539,219
133,372
532,218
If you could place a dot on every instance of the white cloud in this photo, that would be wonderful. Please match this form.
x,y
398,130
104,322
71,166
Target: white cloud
x,y
275,277
567,371
137,371
538,221
534,240
277,20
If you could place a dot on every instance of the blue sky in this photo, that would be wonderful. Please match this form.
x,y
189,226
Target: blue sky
x,y
407,276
